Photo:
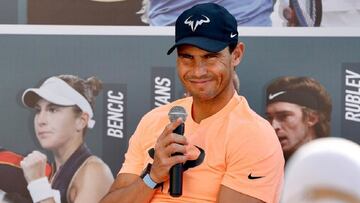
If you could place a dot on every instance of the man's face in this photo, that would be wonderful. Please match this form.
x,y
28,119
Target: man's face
x,y
290,126
206,75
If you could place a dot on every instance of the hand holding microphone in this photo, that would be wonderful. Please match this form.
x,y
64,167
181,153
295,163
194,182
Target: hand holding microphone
x,y
169,150
176,172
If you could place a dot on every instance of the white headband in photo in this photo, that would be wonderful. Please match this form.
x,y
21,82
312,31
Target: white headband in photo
x,y
57,91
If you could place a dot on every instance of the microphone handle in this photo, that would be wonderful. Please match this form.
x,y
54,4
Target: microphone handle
x,y
176,171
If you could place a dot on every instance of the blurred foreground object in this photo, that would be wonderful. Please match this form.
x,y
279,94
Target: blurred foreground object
x,y
326,170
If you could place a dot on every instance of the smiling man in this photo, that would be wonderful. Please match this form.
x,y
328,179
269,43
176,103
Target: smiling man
x,y
243,158
299,109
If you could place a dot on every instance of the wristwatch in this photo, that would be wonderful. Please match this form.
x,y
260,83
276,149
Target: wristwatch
x,y
147,179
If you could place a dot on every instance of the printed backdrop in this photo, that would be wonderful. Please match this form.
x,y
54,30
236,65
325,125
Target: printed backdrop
x,y
138,76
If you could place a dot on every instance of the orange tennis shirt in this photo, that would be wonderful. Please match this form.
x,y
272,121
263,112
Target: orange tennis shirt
x,y
239,145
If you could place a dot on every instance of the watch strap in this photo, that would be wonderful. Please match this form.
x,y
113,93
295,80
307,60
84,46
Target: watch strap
x,y
149,182
147,179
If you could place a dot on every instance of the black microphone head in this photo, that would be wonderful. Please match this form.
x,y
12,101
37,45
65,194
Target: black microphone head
x,y
176,112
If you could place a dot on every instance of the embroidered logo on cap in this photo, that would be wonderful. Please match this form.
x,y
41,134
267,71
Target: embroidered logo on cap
x,y
272,96
197,22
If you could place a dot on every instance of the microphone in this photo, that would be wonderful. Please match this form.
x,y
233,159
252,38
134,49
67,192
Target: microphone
x,y
176,171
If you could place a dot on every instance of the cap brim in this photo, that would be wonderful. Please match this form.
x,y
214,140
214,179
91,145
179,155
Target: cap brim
x,y
206,44
32,95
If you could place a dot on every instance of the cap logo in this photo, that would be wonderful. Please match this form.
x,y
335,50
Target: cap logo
x,y
197,22
232,35
272,96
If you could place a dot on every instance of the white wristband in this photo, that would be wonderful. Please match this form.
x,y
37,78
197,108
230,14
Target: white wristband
x,y
40,189
56,195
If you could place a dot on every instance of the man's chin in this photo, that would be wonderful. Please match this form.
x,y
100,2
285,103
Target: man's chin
x,y
283,142
286,147
202,96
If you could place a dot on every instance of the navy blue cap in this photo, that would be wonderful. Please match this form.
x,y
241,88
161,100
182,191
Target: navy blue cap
x,y
207,26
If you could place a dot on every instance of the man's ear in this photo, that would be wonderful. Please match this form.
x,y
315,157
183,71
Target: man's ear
x,y
312,119
237,54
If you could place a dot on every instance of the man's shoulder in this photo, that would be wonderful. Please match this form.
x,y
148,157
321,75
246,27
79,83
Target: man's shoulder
x,y
243,111
245,118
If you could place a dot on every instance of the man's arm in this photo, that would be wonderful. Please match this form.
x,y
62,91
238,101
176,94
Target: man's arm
x,y
228,195
128,188
131,188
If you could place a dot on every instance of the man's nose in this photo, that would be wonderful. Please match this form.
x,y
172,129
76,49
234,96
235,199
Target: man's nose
x,y
200,68
275,124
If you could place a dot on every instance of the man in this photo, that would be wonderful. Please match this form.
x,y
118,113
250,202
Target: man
x,y
243,159
299,109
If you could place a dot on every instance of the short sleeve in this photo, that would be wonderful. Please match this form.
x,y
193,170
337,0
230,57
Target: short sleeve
x,y
134,157
255,163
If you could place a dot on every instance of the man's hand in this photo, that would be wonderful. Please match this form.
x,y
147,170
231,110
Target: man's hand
x,y
167,144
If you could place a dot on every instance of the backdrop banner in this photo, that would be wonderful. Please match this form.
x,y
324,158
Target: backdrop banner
x,y
115,136
351,100
163,86
138,75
